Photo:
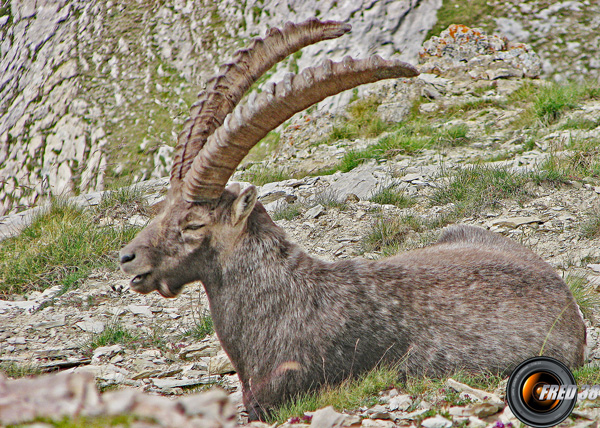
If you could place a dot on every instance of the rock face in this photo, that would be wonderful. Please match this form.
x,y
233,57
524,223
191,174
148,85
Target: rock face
x,y
387,28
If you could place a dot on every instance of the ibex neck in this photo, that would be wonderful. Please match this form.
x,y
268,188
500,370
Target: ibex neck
x,y
263,282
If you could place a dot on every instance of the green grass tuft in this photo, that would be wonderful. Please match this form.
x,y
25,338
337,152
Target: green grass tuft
x,y
203,327
580,123
113,334
287,212
586,296
122,202
363,122
61,246
350,395
456,135
16,370
581,161
389,235
587,375
392,195
590,228
479,187
262,175
551,101
329,199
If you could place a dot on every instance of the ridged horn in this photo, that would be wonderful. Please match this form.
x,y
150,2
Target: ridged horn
x,y
225,90
249,123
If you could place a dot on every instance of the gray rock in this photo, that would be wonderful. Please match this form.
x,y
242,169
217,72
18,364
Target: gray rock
x,y
514,222
400,402
327,418
212,406
394,112
91,326
138,220
428,107
594,267
220,364
436,422
360,182
314,212
106,352
480,410
476,393
202,349
140,310
168,383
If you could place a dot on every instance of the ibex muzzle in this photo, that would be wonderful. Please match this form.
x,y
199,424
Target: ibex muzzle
x,y
290,322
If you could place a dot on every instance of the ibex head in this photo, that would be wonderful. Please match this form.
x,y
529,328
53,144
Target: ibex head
x,y
201,221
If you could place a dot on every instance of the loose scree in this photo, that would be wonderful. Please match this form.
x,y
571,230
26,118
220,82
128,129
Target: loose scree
x,y
291,322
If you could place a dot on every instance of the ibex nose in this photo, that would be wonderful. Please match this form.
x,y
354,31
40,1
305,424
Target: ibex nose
x,y
126,257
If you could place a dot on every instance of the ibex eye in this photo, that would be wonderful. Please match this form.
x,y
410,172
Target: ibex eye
x,y
193,226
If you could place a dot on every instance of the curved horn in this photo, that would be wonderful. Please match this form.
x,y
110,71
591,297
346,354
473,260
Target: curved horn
x,y
225,90
249,123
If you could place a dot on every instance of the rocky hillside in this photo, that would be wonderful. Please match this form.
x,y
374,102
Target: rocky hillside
x,y
92,94
475,139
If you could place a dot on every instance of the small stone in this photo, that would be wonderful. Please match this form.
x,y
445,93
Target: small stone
x,y
59,322
428,107
475,393
140,310
197,350
413,415
594,267
394,112
502,73
411,177
481,410
151,353
475,422
168,383
106,351
210,404
326,418
138,220
144,374
220,364
91,326
378,412
514,222
436,422
314,212
377,423
400,402
351,197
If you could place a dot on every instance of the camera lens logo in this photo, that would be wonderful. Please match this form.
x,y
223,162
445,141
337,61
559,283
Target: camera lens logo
x,y
541,392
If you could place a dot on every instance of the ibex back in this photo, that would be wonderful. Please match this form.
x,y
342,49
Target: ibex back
x,y
290,322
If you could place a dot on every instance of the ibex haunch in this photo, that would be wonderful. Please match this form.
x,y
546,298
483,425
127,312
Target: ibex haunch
x,y
291,322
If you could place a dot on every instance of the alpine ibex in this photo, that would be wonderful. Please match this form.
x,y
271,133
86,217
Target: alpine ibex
x,y
291,322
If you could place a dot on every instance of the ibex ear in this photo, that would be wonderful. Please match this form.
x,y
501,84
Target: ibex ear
x,y
243,205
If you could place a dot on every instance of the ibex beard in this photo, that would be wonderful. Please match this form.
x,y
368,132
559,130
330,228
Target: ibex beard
x,y
291,323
